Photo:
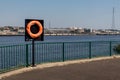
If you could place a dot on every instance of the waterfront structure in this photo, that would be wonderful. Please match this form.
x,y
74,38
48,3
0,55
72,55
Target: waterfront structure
x,y
9,30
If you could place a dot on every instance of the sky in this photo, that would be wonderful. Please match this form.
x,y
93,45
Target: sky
x,y
96,14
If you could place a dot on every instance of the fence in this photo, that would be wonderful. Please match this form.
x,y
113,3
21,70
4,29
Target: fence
x,y
18,56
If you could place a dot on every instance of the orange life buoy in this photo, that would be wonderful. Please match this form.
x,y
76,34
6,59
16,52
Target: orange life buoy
x,y
32,34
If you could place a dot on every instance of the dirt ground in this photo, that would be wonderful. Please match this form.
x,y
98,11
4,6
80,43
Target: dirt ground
x,y
95,70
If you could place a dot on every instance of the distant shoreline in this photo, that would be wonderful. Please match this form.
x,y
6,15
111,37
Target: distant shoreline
x,y
63,34
54,35
11,35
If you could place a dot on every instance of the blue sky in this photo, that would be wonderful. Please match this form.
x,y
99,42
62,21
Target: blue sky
x,y
61,13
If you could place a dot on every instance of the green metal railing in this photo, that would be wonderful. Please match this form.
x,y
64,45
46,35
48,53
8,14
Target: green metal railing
x,y
18,56
12,57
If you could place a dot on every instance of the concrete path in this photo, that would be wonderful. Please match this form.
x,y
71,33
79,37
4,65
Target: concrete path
x,y
94,70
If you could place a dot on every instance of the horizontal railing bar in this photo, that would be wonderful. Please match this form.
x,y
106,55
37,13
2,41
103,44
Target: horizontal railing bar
x,y
20,54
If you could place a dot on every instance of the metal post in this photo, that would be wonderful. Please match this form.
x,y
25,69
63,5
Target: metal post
x,y
90,55
27,64
2,61
63,53
33,55
110,48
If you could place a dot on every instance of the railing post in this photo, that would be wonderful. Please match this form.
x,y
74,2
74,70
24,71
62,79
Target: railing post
x,y
90,55
63,55
110,48
2,62
27,63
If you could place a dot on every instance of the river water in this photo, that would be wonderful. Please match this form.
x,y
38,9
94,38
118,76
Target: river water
x,y
12,56
20,39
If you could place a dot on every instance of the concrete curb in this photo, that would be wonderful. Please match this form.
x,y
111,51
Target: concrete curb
x,y
47,65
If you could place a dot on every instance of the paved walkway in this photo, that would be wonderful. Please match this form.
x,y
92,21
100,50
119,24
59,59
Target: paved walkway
x,y
95,70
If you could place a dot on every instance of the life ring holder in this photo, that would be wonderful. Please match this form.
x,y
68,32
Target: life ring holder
x,y
32,35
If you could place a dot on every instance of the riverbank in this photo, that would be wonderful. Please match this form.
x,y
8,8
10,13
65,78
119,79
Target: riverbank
x,y
51,35
62,34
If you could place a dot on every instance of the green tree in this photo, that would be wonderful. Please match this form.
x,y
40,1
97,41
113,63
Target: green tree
x,y
117,49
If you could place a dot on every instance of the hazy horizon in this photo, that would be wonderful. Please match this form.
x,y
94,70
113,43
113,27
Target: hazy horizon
x,y
95,14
